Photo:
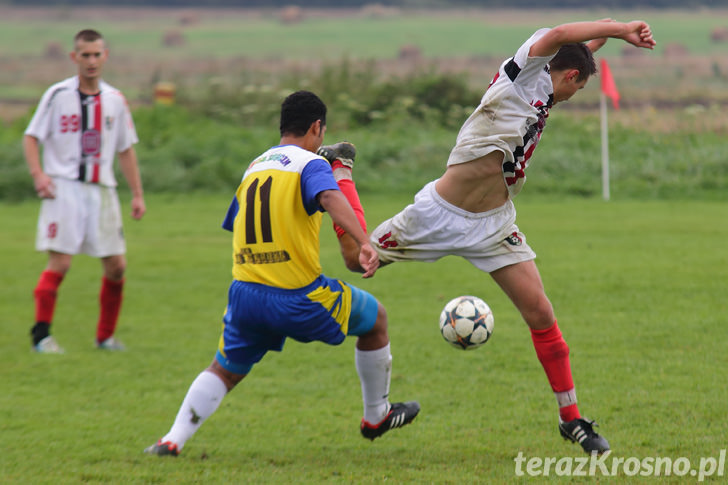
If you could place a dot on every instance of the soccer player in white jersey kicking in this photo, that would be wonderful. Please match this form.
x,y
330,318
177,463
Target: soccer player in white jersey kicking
x,y
82,123
468,211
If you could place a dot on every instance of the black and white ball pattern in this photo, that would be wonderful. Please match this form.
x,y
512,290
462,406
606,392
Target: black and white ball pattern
x,y
466,322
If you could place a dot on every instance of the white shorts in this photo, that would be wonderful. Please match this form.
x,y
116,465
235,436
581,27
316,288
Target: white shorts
x,y
83,218
432,228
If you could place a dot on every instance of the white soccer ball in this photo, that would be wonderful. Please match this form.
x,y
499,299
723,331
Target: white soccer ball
x,y
466,322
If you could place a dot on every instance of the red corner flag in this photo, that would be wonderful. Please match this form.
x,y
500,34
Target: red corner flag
x,y
608,86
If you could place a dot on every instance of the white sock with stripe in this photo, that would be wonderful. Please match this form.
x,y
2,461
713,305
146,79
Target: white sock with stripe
x,y
375,370
202,399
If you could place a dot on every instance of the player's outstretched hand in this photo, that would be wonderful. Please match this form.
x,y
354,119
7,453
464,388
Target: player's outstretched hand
x,y
138,208
44,186
369,260
640,35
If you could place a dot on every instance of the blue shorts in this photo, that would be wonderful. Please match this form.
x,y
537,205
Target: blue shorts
x,y
259,318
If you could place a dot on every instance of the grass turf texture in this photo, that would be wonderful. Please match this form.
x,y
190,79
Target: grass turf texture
x,y
638,288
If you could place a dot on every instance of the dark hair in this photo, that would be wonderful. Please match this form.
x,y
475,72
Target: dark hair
x,y
299,111
575,56
87,35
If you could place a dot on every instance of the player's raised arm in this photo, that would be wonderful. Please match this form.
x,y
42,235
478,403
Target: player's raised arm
x,y
596,44
637,33
334,202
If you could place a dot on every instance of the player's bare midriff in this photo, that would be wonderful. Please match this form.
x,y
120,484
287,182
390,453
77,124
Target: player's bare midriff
x,y
475,186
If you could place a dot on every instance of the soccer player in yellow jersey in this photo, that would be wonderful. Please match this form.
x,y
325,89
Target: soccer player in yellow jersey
x,y
278,289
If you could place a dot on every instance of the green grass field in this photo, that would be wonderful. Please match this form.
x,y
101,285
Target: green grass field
x,y
638,284
639,289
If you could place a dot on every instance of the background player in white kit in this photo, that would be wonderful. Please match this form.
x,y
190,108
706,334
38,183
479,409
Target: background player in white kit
x,y
82,123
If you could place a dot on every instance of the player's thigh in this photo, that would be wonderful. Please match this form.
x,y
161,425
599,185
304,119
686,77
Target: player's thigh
x,y
522,283
504,248
422,231
104,228
61,226
260,318
247,334
366,312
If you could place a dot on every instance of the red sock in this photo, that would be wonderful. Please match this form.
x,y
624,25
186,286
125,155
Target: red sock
x,y
553,353
45,293
110,299
348,188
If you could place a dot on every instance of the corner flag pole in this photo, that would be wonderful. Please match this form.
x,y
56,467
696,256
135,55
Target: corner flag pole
x,y
605,146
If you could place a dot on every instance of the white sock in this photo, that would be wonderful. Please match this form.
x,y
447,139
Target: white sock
x,y
566,398
202,399
375,369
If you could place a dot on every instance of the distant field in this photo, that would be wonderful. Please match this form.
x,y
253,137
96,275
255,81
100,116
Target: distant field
x,y
247,44
329,34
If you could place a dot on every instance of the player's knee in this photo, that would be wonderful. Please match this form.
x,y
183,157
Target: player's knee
x,y
114,268
378,336
380,324
381,317
230,379
60,268
59,263
540,315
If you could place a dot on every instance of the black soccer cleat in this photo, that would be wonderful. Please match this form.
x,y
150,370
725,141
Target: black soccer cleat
x,y
400,414
581,431
342,151
160,448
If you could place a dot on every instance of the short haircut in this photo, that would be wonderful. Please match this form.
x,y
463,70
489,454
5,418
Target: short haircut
x,y
299,111
575,56
87,35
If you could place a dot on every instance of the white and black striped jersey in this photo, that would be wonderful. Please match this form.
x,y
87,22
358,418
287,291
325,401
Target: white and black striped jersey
x,y
511,115
81,134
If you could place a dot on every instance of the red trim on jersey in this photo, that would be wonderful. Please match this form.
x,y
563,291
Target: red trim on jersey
x,y
95,173
98,120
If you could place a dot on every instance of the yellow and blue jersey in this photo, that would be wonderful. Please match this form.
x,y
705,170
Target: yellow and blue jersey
x,y
275,218
278,290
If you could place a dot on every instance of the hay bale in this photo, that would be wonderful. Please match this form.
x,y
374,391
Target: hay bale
x,y
291,15
631,52
54,51
189,18
719,34
173,38
409,52
675,49
378,11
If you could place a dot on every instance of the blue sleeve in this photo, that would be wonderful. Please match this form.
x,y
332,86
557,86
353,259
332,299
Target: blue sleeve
x,y
227,223
315,178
